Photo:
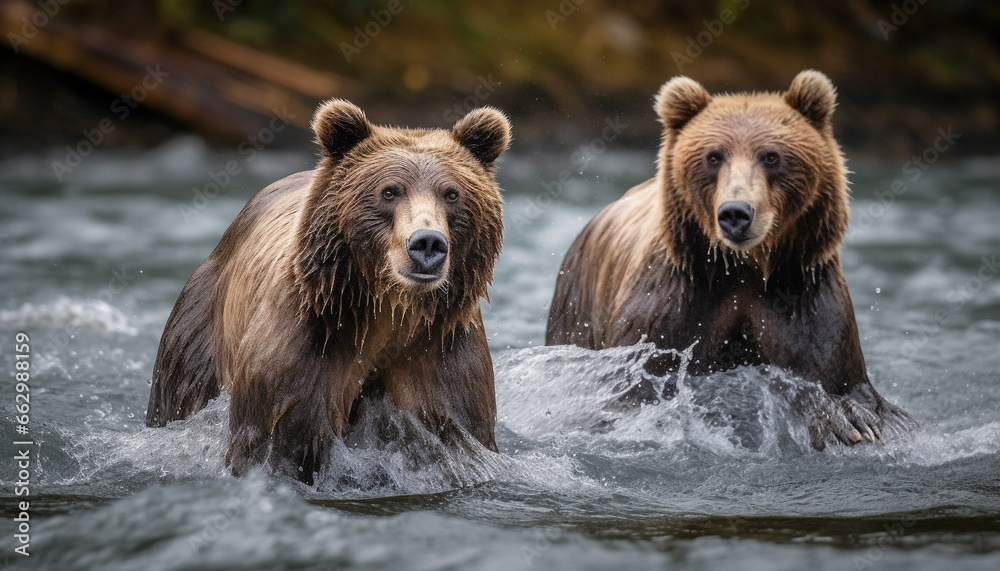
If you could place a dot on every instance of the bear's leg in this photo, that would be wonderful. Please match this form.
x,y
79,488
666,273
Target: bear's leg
x,y
283,421
822,345
291,432
288,407
302,438
447,384
250,412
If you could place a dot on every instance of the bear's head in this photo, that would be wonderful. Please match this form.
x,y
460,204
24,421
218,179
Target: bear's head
x,y
411,217
755,176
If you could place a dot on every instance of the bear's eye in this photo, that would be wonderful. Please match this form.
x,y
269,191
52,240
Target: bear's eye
x,y
390,193
451,195
771,158
714,159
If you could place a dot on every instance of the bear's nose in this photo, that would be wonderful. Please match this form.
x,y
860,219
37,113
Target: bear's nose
x,y
735,218
428,250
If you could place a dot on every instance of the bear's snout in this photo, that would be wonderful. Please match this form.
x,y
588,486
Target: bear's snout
x,y
735,218
428,249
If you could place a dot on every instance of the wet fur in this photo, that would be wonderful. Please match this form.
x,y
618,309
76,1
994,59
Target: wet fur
x,y
298,313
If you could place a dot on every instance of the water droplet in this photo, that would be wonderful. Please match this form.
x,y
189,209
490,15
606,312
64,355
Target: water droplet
x,y
878,290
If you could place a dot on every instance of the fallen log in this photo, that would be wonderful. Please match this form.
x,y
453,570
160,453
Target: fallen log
x,y
222,90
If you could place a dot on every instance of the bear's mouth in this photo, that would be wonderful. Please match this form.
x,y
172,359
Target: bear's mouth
x,y
423,278
744,241
741,243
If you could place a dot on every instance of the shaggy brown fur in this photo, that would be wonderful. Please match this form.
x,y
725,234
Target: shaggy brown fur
x,y
658,262
312,299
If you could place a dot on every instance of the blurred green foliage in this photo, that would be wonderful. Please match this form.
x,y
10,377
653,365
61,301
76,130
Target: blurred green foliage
x,y
892,61
597,45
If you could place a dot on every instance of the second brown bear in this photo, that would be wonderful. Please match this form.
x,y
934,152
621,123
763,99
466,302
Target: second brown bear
x,y
732,248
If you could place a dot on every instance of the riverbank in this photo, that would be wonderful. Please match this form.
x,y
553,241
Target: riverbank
x,y
560,72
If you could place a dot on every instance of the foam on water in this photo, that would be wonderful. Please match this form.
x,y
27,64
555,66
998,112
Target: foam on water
x,y
88,315
572,394
364,465
555,404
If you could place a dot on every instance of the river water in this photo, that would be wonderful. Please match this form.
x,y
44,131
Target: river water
x,y
721,477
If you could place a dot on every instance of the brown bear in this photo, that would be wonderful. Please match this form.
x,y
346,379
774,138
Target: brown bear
x,y
361,277
733,248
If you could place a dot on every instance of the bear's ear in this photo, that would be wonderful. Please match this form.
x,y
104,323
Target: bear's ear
x,y
679,100
339,125
485,132
813,95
